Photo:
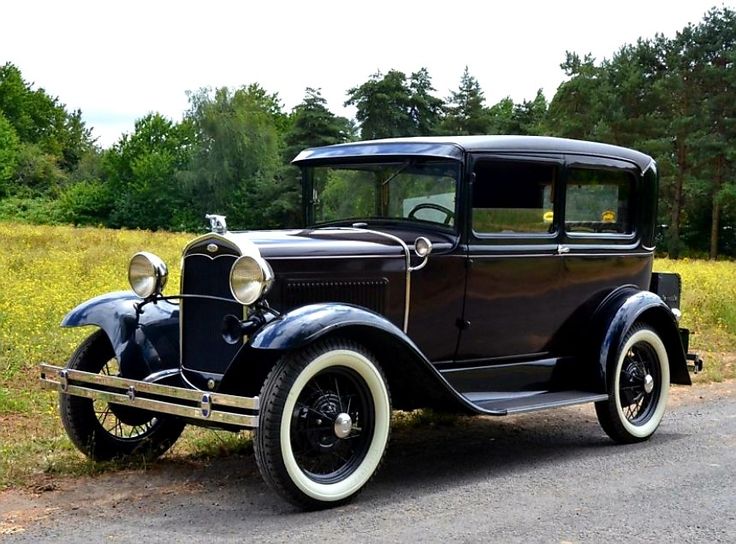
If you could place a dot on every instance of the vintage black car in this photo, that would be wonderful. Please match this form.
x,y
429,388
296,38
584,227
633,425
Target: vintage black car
x,y
482,274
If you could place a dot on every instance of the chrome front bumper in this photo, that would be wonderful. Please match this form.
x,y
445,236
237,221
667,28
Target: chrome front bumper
x,y
214,408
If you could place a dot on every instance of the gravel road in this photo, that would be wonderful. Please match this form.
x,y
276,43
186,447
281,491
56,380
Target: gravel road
x,y
546,477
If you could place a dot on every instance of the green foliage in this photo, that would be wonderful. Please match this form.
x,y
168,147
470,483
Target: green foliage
x,y
465,111
41,120
37,173
142,170
383,104
393,106
236,167
9,144
526,118
425,109
86,203
36,210
314,125
671,97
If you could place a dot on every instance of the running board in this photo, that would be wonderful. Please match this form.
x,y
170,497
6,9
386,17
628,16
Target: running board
x,y
530,403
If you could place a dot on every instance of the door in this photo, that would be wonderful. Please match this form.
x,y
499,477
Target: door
x,y
513,264
606,202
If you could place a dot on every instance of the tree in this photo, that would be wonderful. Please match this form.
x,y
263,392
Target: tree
x,y
9,144
715,37
42,120
384,106
142,169
425,109
465,111
574,112
526,118
313,125
236,168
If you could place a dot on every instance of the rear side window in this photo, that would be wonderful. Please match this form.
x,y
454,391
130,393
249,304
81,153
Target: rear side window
x,y
513,197
599,201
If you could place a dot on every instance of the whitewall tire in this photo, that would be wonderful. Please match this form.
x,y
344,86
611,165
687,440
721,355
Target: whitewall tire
x,y
638,387
324,424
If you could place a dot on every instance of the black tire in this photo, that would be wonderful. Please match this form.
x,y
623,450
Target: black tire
x,y
324,424
639,382
104,431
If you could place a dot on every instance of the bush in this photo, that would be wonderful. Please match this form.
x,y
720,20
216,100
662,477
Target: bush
x,y
39,210
86,203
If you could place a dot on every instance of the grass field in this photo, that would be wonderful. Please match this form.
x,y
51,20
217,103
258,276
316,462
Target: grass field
x,y
46,271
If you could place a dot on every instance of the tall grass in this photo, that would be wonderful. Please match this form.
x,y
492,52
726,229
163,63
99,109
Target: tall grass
x,y
45,271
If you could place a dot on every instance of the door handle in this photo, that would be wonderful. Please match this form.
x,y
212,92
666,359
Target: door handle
x,y
562,249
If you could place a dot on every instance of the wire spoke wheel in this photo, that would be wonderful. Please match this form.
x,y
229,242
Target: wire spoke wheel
x,y
324,424
120,421
638,387
638,390
332,424
103,430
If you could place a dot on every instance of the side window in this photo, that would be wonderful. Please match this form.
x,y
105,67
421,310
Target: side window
x,y
513,197
599,201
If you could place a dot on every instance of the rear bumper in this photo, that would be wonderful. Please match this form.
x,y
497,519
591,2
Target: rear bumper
x,y
694,362
202,406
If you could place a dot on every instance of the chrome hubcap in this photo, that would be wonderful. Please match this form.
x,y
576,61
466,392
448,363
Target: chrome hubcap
x,y
648,383
343,425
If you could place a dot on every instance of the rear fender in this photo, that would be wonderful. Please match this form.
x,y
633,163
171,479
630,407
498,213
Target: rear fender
x,y
144,343
619,312
412,379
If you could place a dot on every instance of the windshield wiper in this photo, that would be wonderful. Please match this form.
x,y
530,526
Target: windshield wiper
x,y
401,168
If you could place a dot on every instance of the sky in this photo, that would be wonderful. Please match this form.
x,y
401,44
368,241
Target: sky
x,y
118,61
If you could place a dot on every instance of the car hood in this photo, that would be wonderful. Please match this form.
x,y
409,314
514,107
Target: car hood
x,y
316,243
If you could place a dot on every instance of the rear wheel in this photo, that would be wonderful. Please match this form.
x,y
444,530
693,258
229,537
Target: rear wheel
x,y
324,424
103,430
638,388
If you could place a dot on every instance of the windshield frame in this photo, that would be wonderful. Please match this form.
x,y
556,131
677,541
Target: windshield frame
x,y
398,163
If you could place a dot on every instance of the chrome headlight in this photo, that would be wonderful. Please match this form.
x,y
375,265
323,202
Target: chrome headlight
x,y
250,279
147,274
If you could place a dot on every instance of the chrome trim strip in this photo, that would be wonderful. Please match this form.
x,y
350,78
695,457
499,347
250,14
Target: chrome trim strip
x,y
210,257
314,257
161,375
126,392
537,255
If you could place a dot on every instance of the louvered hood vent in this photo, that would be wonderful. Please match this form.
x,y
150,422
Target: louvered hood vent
x,y
369,293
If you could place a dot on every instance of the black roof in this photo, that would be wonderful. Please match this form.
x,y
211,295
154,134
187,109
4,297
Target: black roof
x,y
453,147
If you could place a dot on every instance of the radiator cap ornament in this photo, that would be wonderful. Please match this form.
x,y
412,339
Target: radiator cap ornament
x,y
217,223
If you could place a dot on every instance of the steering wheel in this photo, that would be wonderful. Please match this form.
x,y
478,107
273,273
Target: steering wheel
x,y
450,215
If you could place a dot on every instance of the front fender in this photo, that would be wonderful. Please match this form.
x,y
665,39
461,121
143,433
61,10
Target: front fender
x,y
627,307
308,323
412,379
143,343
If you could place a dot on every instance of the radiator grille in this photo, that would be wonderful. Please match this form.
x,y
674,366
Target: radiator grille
x,y
202,345
367,293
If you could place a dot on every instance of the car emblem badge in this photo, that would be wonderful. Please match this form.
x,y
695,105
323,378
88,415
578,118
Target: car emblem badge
x,y
212,248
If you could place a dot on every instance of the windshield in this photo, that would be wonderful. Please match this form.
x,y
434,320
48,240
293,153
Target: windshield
x,y
411,190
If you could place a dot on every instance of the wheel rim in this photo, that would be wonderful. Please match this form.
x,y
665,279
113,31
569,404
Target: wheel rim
x,y
640,383
332,425
122,422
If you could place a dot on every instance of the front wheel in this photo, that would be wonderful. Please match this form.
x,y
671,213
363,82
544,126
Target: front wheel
x,y
324,424
104,431
638,388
